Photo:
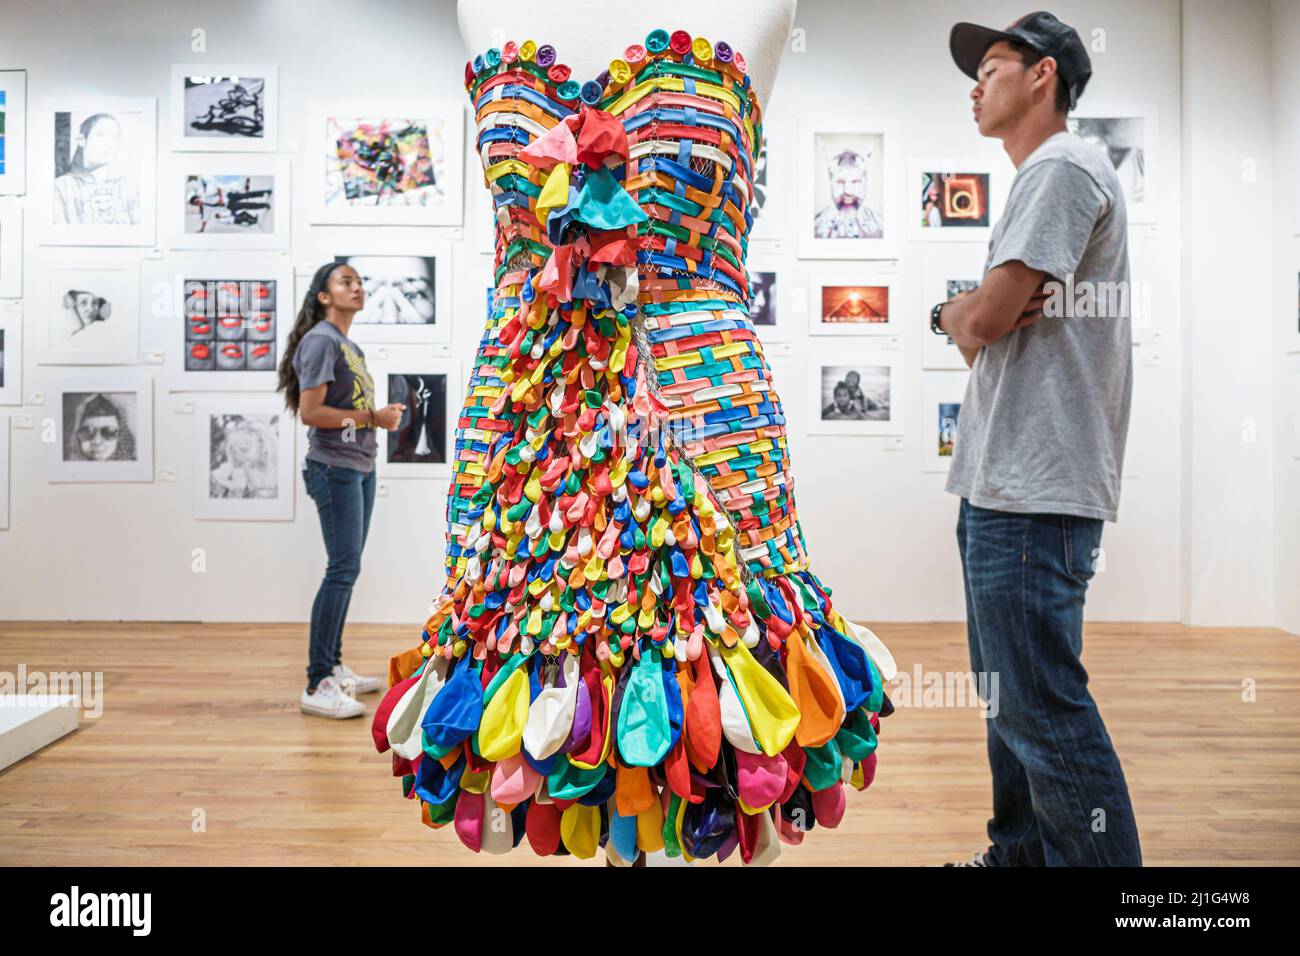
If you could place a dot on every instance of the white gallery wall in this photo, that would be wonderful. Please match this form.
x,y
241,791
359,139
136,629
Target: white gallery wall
x,y
1196,538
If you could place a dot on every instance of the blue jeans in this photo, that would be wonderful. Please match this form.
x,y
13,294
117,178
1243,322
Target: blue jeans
x,y
345,498
1059,796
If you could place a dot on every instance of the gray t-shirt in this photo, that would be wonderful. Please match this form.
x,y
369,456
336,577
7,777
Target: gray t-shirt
x,y
326,355
1045,417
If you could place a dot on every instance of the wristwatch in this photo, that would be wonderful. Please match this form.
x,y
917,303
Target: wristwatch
x,y
935,327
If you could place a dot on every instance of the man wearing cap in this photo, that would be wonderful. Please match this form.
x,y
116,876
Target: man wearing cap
x,y
1040,447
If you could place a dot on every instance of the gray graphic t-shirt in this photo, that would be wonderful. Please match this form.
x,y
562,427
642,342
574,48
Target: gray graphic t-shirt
x,y
1046,412
326,355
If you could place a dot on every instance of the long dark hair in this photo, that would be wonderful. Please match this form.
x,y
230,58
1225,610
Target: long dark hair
x,y
311,312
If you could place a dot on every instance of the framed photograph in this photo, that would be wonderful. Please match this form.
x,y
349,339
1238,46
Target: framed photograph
x,y
225,318
103,423
422,446
848,190
11,356
4,472
941,394
946,271
856,393
90,311
13,132
771,281
385,162
1129,133
407,280
11,249
95,171
225,107
243,459
852,303
771,209
953,200
227,202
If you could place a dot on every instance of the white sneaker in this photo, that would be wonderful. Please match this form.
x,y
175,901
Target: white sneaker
x,y
360,685
331,701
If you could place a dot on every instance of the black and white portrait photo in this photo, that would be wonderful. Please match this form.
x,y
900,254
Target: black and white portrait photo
x,y
1128,133
857,394
224,107
99,426
243,459
400,290
93,316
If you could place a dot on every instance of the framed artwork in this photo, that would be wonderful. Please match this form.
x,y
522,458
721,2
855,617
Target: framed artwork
x,y
953,200
13,132
243,459
771,209
4,472
407,280
852,303
225,107
103,424
856,393
941,394
1129,133
945,273
226,317
11,356
227,202
423,444
11,249
90,313
385,162
848,190
95,165
771,280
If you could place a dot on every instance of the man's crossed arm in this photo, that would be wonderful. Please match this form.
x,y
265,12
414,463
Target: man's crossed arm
x,y
1010,298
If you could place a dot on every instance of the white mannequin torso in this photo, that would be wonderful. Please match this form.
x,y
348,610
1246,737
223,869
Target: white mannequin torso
x,y
587,34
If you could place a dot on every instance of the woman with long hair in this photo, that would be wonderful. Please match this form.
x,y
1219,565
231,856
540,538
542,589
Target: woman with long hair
x,y
325,382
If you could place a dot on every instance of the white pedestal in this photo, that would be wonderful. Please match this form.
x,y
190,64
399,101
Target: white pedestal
x,y
28,723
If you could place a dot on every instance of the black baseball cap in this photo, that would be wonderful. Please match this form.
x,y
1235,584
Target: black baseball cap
x,y
1042,31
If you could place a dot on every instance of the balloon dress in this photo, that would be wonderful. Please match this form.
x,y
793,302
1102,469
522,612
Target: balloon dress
x,y
630,650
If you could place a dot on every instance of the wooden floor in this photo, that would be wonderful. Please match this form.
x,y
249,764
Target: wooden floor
x,y
202,722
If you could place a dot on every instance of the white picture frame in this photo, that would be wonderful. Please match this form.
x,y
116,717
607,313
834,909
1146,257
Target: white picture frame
x,y
389,254
940,391
193,176
11,354
208,113
13,150
883,387
124,163
328,182
198,297
68,403
11,249
945,270
1139,172
1292,300
233,439
821,139
449,370
773,279
4,472
863,292
952,178
772,189
88,307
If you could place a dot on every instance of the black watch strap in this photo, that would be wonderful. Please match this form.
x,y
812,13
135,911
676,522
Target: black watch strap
x,y
935,327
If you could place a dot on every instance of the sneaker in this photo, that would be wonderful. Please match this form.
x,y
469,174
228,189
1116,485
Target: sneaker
x,y
330,700
978,858
360,685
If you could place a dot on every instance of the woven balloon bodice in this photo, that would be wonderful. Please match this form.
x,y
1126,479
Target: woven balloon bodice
x,y
629,195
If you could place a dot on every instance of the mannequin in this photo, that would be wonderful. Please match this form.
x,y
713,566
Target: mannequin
x,y
587,34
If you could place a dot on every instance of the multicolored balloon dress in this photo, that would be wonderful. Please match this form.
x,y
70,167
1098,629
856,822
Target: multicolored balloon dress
x,y
630,651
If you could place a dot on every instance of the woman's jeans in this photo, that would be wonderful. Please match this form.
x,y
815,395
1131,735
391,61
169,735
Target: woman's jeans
x,y
1059,796
345,498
